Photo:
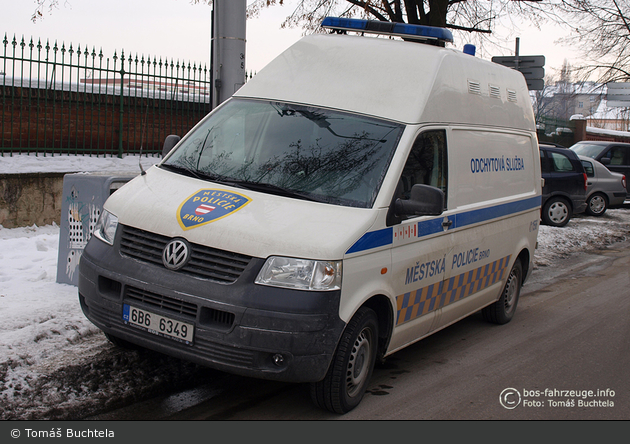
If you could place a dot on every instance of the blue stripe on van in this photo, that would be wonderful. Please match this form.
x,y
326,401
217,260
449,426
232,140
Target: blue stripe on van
x,y
380,238
476,216
373,239
430,227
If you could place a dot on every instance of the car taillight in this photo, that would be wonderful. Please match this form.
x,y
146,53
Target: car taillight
x,y
623,182
585,181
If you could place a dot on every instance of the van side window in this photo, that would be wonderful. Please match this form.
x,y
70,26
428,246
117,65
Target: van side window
x,y
426,164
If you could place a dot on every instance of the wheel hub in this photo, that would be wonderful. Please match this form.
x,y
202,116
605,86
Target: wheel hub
x,y
358,363
597,204
511,290
558,212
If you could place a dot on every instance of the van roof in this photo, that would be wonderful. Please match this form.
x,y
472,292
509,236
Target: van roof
x,y
392,79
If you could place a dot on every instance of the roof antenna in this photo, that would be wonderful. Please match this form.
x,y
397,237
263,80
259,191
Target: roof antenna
x,y
142,172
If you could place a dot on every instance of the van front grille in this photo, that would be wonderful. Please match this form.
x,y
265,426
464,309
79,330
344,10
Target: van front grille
x,y
172,305
205,262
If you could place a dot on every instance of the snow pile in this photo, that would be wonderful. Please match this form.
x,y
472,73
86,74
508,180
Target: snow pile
x,y
581,234
61,163
39,317
54,363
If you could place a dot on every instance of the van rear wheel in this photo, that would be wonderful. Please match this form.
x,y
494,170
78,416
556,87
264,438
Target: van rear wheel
x,y
351,368
502,311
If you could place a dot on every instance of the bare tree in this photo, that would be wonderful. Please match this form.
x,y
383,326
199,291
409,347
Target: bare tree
x,y
475,18
564,95
41,6
601,29
542,99
472,16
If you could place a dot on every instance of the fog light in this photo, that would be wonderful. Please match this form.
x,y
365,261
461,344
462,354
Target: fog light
x,y
278,359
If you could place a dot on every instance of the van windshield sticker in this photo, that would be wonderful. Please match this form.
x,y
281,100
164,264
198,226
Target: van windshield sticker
x,y
209,205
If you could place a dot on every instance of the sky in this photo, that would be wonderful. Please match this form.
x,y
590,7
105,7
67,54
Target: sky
x,y
180,30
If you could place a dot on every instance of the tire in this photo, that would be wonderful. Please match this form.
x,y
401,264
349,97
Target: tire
x,y
350,371
596,205
556,212
502,311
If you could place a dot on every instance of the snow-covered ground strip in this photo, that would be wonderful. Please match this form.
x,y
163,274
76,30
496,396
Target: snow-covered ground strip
x,y
62,163
54,364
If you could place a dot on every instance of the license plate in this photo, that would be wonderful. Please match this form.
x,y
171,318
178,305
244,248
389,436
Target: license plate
x,y
158,325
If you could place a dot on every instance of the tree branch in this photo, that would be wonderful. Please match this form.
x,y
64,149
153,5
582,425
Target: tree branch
x,y
365,5
465,28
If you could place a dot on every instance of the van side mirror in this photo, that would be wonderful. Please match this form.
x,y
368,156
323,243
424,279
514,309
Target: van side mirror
x,y
424,200
605,160
169,143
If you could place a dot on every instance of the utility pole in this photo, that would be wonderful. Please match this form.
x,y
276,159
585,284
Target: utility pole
x,y
530,66
228,48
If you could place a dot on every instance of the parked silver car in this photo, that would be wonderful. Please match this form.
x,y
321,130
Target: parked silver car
x,y
613,155
604,188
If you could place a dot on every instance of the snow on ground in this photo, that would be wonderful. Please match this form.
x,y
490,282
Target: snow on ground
x,y
62,163
54,364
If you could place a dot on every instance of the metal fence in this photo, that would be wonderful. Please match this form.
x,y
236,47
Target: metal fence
x,y
554,130
55,99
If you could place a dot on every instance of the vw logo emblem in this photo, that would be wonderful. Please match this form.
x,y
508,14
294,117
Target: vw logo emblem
x,y
175,254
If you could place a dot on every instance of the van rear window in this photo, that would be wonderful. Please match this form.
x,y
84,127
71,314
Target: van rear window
x,y
297,151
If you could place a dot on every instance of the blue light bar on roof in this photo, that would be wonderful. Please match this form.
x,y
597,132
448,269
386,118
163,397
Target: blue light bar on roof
x,y
404,30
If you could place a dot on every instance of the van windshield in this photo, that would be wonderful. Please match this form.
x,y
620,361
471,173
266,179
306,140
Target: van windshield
x,y
291,150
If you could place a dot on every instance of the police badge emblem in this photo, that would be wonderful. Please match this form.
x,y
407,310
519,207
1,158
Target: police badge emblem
x,y
209,205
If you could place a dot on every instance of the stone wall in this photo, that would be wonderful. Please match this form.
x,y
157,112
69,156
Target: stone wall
x,y
30,199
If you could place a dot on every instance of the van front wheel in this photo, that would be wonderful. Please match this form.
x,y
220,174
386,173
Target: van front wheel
x,y
351,368
502,311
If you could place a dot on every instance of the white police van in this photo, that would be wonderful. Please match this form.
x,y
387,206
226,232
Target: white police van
x,y
357,195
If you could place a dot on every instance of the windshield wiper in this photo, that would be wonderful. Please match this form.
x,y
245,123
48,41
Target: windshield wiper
x,y
186,171
254,186
275,189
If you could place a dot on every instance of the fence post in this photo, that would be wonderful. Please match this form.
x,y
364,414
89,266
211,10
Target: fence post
x,y
55,113
580,127
120,115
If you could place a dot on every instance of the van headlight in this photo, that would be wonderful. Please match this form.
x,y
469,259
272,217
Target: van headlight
x,y
300,274
106,226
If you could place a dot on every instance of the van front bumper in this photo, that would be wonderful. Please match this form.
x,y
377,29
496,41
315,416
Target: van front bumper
x,y
240,328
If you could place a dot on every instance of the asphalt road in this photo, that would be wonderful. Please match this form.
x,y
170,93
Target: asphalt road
x,y
564,356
